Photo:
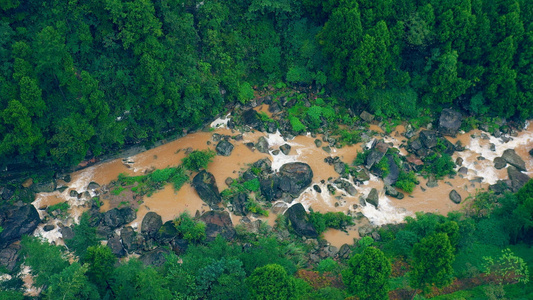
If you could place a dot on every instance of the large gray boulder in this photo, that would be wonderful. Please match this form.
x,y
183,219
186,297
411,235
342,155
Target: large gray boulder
x,y
115,217
455,197
428,138
373,197
376,154
449,122
218,223
151,224
252,119
499,163
513,159
205,185
16,222
9,257
299,220
518,179
116,246
262,145
224,148
298,175
156,257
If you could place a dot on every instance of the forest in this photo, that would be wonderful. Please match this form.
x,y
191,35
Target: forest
x,y
84,78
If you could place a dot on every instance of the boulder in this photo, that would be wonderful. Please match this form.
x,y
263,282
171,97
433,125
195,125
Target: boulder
x,y
513,159
279,207
274,108
127,235
299,175
531,152
518,179
252,119
262,145
9,257
224,148
156,257
455,197
93,186
48,227
7,192
16,222
390,191
376,154
239,204
432,182
318,143
46,186
205,185
499,163
218,223
317,189
373,197
115,217
339,167
269,187
167,232
151,224
344,252
428,138
366,116
285,149
394,171
299,220
449,122
500,186
116,246
362,175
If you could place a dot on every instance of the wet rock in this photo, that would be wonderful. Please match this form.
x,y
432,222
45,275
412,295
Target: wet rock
x,y
373,197
271,127
205,185
298,174
318,143
327,149
362,175
350,189
462,170
9,257
400,195
480,158
500,186
428,138
216,137
127,234
331,189
7,192
47,186
218,223
513,159
416,144
156,257
262,145
299,220
492,147
518,179
390,191
116,246
317,189
115,217
279,207
93,186
16,222
151,224
228,181
344,251
269,187
48,227
252,119
459,146
375,155
275,152
365,230
224,148
248,175
274,108
339,167
531,152
376,236
264,164
239,204
394,171
432,182
450,122
73,194
367,117
67,233
27,183
167,232
285,148
499,163
455,197
459,161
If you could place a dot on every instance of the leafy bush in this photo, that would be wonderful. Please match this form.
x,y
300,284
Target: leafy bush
x,y
189,229
61,207
336,220
198,160
440,166
252,185
349,137
406,181
360,158
296,124
254,207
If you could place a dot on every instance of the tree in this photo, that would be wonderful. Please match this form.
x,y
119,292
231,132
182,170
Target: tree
x,y
101,262
223,279
71,284
368,274
271,282
198,160
84,237
45,260
432,262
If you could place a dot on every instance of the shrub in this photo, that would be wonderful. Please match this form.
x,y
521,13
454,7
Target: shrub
x,y
406,181
198,160
252,185
296,124
189,229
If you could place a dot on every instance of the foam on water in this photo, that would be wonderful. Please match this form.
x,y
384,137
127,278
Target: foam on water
x,y
220,122
385,213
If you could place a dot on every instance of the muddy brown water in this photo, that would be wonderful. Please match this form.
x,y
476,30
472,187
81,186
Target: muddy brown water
x,y
169,204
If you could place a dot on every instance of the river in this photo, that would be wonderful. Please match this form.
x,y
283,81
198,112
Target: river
x,y
169,204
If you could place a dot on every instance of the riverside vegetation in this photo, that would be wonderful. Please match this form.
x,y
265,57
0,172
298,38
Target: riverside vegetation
x,y
85,79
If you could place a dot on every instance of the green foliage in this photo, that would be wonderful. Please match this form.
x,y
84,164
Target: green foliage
x,y
349,137
360,158
297,125
368,274
406,181
326,265
61,207
271,282
255,208
383,166
507,267
223,279
336,220
101,263
11,295
439,165
190,229
246,92
432,262
252,185
84,237
44,259
71,284
197,160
